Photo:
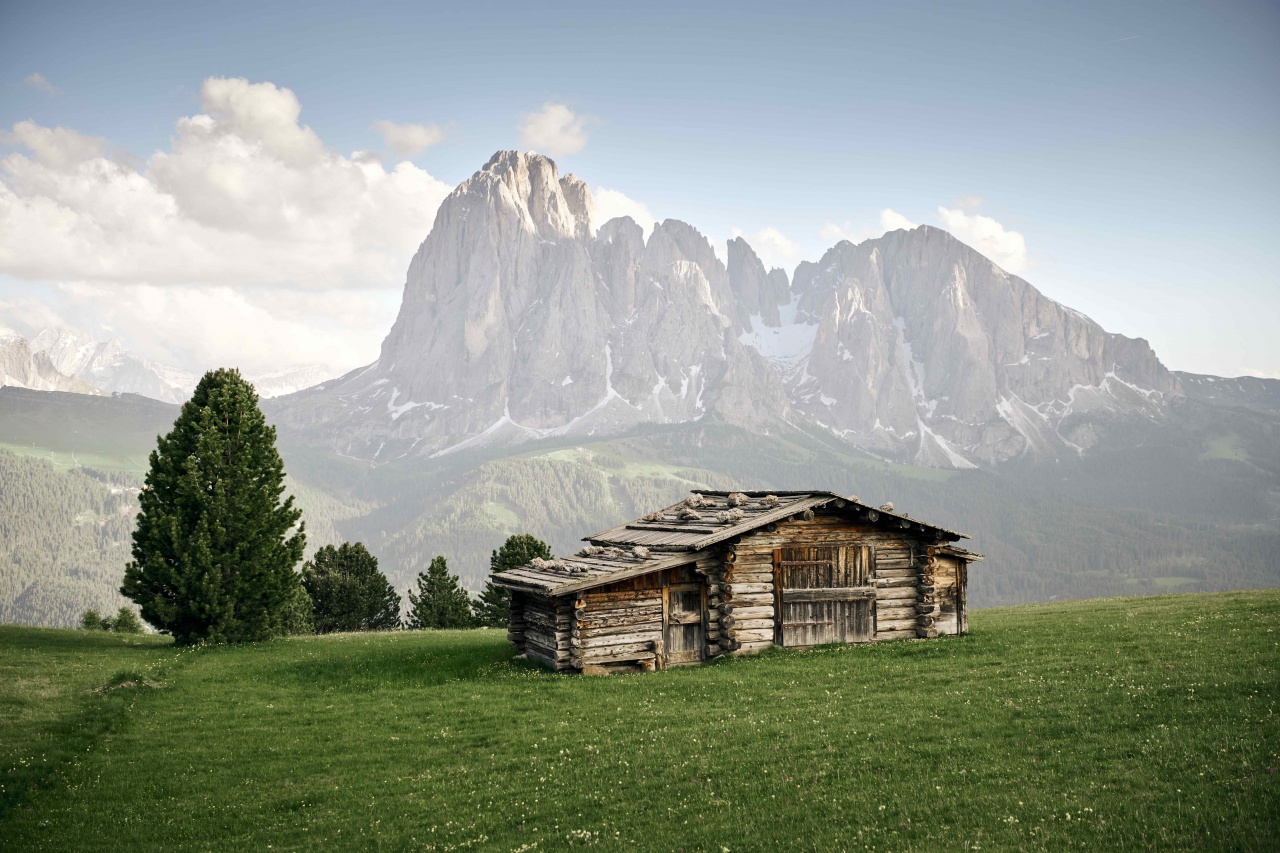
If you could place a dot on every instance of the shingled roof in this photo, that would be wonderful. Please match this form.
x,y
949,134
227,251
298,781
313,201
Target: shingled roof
x,y
671,536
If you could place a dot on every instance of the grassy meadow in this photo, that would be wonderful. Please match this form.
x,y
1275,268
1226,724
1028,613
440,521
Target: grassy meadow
x,y
1140,723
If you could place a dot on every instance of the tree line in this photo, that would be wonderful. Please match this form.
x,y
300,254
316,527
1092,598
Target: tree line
x,y
217,542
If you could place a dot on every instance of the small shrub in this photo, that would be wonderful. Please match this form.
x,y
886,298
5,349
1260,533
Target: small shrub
x,y
91,620
126,622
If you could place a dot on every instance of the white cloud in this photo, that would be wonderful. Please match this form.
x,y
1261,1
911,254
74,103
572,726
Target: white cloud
x,y
37,81
256,329
554,130
610,204
407,141
245,198
775,249
1007,248
55,147
890,220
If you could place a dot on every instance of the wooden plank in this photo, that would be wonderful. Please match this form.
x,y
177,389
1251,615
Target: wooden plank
x,y
752,625
595,635
892,625
892,583
587,626
904,634
886,573
748,588
617,651
669,528
624,639
861,593
752,612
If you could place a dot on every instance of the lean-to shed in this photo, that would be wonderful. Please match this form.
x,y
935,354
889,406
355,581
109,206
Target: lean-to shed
x,y
737,572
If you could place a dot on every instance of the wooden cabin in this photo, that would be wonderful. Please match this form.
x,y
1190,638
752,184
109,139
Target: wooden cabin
x,y
737,572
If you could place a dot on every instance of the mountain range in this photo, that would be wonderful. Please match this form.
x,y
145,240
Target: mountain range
x,y
523,320
63,359
552,374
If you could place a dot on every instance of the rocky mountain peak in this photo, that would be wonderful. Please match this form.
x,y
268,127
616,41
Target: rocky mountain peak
x,y
517,323
759,293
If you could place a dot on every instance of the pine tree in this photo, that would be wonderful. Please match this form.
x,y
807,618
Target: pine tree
x,y
298,616
213,556
441,601
348,592
493,608
126,622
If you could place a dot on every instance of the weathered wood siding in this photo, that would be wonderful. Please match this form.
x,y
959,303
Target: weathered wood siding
x,y
541,628
945,576
750,579
635,623
823,594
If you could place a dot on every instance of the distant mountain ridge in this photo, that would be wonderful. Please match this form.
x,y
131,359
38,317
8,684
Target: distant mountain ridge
x,y
23,367
63,359
521,319
109,366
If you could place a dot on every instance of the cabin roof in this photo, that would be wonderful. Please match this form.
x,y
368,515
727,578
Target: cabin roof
x,y
676,535
725,515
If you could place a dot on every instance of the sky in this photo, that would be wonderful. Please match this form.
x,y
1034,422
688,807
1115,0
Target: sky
x,y
245,183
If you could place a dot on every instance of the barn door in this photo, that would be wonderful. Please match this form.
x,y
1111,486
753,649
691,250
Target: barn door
x,y
684,637
824,594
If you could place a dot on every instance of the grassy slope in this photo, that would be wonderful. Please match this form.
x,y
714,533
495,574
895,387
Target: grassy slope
x,y
48,699
1128,723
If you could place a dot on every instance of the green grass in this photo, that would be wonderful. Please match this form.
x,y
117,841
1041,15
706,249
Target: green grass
x,y
1226,446
51,702
1144,723
66,460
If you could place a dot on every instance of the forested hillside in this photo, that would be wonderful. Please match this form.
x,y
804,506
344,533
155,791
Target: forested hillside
x,y
1040,545
64,540
1187,505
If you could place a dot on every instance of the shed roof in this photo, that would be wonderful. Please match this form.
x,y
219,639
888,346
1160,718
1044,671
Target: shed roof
x,y
675,536
725,515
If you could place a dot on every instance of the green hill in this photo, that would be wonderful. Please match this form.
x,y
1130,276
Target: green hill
x,y
1145,724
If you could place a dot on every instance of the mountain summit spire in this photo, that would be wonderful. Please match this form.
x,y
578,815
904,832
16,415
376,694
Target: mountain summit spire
x,y
520,322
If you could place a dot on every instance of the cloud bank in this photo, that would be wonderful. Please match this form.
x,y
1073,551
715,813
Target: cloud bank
x,y
247,209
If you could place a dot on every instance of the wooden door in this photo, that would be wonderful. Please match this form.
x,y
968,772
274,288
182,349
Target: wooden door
x,y
824,594
684,637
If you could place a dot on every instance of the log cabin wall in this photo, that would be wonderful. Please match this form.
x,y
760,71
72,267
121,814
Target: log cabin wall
x,y
542,628
619,626
516,621
748,620
647,622
946,576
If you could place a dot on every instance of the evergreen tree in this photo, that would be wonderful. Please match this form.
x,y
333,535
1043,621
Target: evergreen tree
x,y
441,601
91,620
212,555
493,608
348,592
299,613
126,622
